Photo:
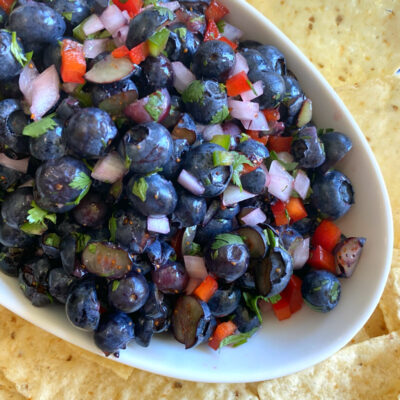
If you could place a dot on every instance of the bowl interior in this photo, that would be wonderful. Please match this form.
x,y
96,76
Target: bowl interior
x,y
279,348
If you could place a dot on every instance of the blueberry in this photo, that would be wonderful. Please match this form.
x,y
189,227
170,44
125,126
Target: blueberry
x,y
10,87
336,146
160,253
60,283
321,290
274,58
254,181
255,151
74,11
307,148
54,188
289,236
147,146
52,55
50,244
156,306
67,108
245,320
15,207
182,44
159,196
199,162
255,61
332,194
190,209
68,248
144,329
8,177
227,212
9,66
174,114
83,307
224,301
131,231
171,277
10,260
50,145
213,60
3,19
216,226
36,23
128,294
144,25
206,102
91,211
158,73
11,237
89,132
174,163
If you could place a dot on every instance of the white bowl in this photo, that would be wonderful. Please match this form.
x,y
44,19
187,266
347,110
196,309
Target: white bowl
x,y
279,348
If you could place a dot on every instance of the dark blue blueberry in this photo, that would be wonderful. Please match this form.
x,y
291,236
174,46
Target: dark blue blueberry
x,y
60,284
224,301
67,108
11,260
50,145
160,195
213,60
190,209
9,66
144,329
255,61
332,194
73,11
274,58
158,73
3,19
15,207
289,236
36,24
321,290
128,294
245,320
83,306
11,237
336,146
147,147
91,211
305,226
307,148
52,55
90,132
227,212
68,247
170,278
174,113
50,244
156,306
199,162
8,177
253,150
254,181
10,88
173,165
216,226
160,252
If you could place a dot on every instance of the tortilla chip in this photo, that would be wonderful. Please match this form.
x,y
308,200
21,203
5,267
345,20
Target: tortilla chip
x,y
368,371
376,107
349,43
8,390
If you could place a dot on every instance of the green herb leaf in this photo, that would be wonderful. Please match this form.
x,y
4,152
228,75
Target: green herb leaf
x,y
154,105
222,158
193,93
244,137
288,166
225,239
237,166
271,238
221,26
238,339
84,98
222,87
220,116
39,128
81,241
322,131
181,32
52,240
81,181
149,2
165,12
222,140
112,227
38,228
67,15
195,249
17,52
37,215
92,248
252,302
115,285
139,188
251,87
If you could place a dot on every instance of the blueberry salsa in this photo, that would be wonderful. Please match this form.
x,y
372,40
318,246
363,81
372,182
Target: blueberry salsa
x,y
160,174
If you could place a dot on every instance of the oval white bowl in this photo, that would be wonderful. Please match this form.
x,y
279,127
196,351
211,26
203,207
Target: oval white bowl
x,y
279,348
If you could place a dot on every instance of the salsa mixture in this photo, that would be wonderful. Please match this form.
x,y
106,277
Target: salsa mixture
x,y
159,174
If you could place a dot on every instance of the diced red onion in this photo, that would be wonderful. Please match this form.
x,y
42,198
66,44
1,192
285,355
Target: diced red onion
x,y
109,169
28,183
18,165
120,35
126,16
192,285
258,123
196,267
240,65
171,5
267,176
301,184
92,25
301,253
281,182
158,224
285,157
69,87
229,128
183,77
26,78
191,183
250,95
233,195
45,92
112,18
212,130
254,217
200,128
232,32
93,47
243,109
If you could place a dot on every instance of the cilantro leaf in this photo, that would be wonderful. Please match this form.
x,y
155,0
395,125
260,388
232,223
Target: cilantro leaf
x,y
221,26
237,167
139,188
81,181
84,98
17,52
271,237
52,240
165,12
220,116
244,137
193,93
251,301
81,241
37,215
115,285
92,248
67,15
39,128
181,32
112,227
238,339
154,106
38,228
195,249
290,166
225,239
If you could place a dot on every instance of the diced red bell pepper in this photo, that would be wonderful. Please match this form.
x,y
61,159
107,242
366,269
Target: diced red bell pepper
x,y
249,168
73,62
132,6
237,84
120,52
223,330
226,40
322,259
292,292
255,135
139,53
295,209
216,11
279,143
206,289
212,32
282,308
280,213
271,114
6,5
326,235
